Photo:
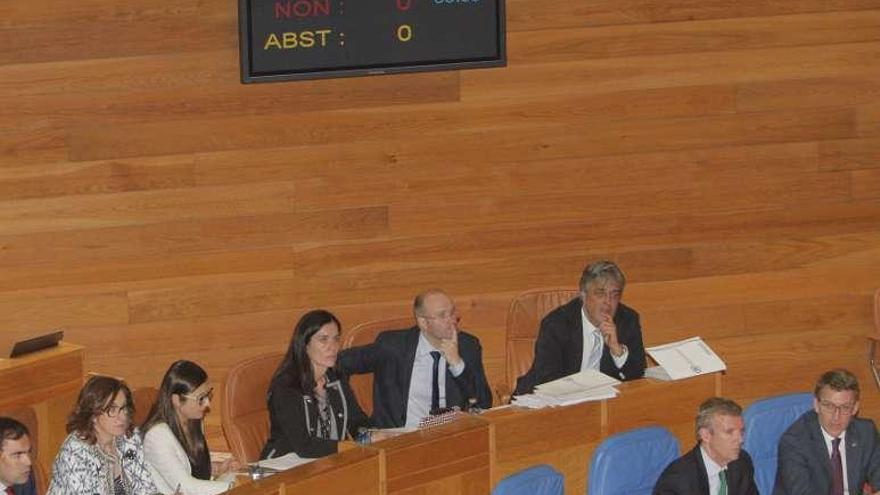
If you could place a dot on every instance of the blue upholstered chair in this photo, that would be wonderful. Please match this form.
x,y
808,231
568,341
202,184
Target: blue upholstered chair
x,y
629,463
765,421
537,480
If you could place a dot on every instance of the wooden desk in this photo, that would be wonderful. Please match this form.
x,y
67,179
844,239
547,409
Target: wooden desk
x,y
670,404
448,459
353,472
49,381
472,454
566,437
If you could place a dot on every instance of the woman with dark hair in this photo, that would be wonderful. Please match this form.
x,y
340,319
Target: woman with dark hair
x,y
102,454
174,442
311,408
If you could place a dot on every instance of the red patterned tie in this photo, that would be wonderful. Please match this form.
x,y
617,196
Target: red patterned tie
x,y
10,491
836,468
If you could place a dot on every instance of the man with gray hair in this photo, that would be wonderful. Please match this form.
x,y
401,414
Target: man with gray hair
x,y
592,331
829,450
717,465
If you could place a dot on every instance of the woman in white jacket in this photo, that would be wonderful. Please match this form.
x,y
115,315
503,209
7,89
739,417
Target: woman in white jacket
x,y
174,443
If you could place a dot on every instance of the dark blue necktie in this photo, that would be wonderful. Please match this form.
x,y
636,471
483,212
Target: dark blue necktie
x,y
435,383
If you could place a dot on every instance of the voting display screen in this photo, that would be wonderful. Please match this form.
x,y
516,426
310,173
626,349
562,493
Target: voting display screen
x,y
307,39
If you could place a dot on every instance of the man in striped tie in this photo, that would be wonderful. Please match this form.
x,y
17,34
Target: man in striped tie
x,y
717,465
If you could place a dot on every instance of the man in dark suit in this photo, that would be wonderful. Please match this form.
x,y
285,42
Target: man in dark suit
x,y
15,459
828,450
717,465
421,370
592,331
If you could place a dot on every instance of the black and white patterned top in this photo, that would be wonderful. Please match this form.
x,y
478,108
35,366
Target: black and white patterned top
x,y
82,468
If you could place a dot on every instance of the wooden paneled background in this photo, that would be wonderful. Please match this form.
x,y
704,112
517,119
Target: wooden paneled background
x,y
725,152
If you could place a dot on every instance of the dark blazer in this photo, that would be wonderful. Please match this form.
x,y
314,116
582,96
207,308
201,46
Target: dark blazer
x,y
293,418
390,358
805,467
559,348
27,488
687,476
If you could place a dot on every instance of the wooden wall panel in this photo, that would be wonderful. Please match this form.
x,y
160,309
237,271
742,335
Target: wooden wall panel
x,y
526,14
724,152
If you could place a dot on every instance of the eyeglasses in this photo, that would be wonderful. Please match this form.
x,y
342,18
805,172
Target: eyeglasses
x,y
113,410
202,399
450,316
831,408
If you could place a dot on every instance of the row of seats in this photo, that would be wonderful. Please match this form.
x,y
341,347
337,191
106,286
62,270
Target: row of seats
x,y
630,463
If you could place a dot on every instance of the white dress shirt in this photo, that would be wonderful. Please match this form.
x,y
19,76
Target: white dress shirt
x,y
593,345
418,404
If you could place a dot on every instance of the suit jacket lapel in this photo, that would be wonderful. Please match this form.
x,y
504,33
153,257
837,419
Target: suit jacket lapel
x,y
818,445
409,358
853,458
576,321
702,477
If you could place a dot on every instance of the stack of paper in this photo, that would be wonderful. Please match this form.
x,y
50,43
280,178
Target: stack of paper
x,y
585,386
683,359
282,463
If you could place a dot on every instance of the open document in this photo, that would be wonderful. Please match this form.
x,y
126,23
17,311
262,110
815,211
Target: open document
x,y
683,359
589,385
282,463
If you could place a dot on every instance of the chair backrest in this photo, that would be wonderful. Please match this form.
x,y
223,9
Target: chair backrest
x,y
28,418
523,322
537,480
765,422
365,333
244,411
631,462
144,398
877,311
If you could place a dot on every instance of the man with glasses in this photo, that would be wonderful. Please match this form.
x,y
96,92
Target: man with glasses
x,y
16,477
592,331
422,370
829,450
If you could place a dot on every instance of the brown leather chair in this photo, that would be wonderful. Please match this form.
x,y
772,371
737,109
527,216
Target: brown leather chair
x,y
365,333
877,311
244,413
28,417
523,322
144,398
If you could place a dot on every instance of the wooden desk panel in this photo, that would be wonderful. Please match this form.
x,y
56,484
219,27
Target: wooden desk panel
x,y
472,454
669,404
556,436
565,437
448,459
353,472
49,382
40,376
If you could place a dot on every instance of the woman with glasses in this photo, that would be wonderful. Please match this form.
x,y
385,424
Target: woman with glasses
x,y
174,442
102,453
311,408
